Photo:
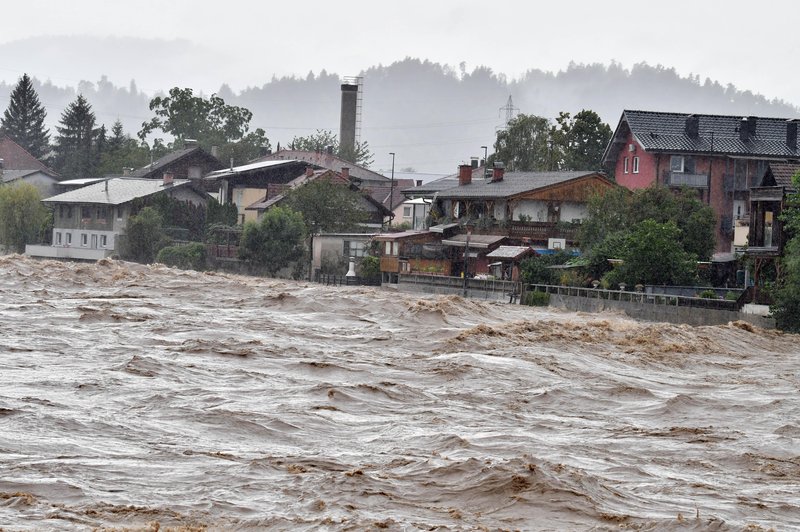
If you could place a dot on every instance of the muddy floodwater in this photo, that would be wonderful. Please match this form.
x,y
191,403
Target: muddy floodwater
x,y
141,396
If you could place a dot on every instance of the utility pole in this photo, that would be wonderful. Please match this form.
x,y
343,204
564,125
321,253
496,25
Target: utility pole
x,y
466,259
391,193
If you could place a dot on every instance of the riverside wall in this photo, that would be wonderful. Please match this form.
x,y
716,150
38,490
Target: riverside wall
x,y
659,312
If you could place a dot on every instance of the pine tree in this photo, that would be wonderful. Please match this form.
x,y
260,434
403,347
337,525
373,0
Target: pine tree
x,y
23,121
76,146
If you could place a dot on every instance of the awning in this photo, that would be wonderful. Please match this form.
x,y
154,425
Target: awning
x,y
510,253
475,241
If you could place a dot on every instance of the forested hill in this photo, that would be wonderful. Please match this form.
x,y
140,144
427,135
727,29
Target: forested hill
x,y
433,116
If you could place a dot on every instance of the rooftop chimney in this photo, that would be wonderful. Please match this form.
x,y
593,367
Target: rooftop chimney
x,y
692,126
791,134
168,178
348,123
464,174
498,171
346,172
309,171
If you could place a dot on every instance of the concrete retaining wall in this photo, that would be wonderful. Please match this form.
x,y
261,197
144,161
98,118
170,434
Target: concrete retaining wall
x,y
654,312
472,293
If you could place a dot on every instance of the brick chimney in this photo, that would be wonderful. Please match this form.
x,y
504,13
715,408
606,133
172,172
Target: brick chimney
x,y
791,134
498,171
346,172
692,127
169,177
309,171
464,174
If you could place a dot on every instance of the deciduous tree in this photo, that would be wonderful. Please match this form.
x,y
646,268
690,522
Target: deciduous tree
x,y
276,241
579,141
525,145
210,121
22,216
325,139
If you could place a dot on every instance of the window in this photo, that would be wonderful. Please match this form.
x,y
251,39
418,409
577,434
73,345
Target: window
x,y
58,239
625,166
103,241
391,248
60,211
86,213
353,248
676,163
101,213
69,239
84,239
635,165
407,212
119,212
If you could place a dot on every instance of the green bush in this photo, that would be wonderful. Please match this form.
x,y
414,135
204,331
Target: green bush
x,y
188,257
537,299
370,266
708,294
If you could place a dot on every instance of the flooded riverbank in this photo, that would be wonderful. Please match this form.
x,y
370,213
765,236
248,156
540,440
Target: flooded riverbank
x,y
132,394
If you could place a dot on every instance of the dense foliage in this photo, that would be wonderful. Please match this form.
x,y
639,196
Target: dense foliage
x,y
144,236
209,121
186,257
23,121
658,233
532,143
327,207
786,307
275,242
77,150
22,216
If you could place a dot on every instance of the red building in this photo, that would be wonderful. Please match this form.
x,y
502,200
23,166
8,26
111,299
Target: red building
x,y
719,156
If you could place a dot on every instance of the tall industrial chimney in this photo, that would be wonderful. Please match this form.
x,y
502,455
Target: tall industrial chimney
x,y
351,109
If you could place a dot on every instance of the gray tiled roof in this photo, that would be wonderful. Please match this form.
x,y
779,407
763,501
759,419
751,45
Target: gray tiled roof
x,y
782,173
513,183
666,132
120,190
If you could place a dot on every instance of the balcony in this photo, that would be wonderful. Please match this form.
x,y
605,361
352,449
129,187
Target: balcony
x,y
66,252
543,230
680,179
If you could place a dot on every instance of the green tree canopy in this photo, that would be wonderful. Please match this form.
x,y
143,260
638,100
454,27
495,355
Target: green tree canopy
x,y
652,254
580,141
327,207
76,150
525,145
276,241
23,120
120,151
144,236
210,121
324,139
22,216
786,306
620,210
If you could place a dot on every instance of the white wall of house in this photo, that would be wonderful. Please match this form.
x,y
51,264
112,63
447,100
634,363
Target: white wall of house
x,y
333,244
84,238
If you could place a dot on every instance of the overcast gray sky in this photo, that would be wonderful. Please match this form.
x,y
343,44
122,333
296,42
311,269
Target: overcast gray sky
x,y
750,44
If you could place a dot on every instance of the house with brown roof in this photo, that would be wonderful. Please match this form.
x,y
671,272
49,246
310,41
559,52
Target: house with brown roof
x,y
719,156
19,166
192,162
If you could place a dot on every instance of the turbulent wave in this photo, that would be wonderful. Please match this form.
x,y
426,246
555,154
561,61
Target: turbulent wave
x,y
144,397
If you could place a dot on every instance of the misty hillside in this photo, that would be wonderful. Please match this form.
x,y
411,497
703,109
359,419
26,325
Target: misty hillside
x,y
433,116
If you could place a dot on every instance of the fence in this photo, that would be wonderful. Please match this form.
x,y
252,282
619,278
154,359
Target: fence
x,y
638,297
339,280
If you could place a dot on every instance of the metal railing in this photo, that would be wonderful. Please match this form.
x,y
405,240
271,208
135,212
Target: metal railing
x,y
637,297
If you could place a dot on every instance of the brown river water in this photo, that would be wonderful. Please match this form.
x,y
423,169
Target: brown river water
x,y
137,397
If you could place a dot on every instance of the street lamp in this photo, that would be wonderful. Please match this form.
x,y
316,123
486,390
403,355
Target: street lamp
x,y
391,193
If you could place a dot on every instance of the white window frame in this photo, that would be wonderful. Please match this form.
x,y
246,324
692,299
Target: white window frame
x,y
58,238
69,239
625,168
636,165
672,160
103,241
84,240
